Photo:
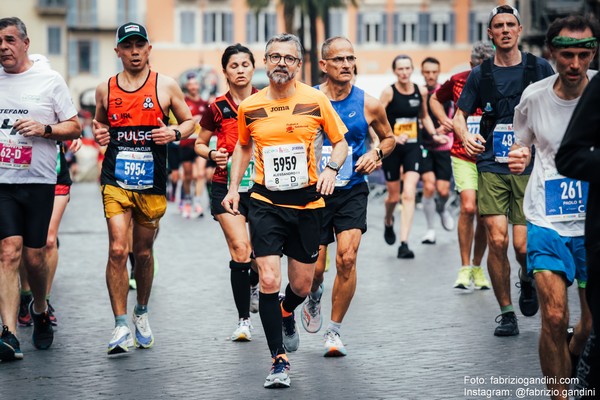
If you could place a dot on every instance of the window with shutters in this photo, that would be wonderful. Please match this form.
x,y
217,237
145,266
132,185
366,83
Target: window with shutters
x,y
187,27
54,40
372,28
83,57
260,27
441,27
478,26
336,26
127,11
405,27
218,27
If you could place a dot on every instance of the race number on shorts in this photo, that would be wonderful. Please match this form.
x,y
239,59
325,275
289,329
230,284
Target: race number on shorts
x,y
285,167
566,198
134,170
406,126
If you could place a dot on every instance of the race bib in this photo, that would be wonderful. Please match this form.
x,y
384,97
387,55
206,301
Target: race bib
x,y
247,180
566,198
406,126
15,152
135,170
345,172
504,137
473,124
285,167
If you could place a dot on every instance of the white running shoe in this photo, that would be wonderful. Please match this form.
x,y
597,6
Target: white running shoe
x,y
311,314
242,332
279,375
121,340
447,220
429,237
333,345
143,334
254,299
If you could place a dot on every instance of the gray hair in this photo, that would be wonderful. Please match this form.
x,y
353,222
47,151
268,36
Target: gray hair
x,y
285,37
482,51
16,22
327,44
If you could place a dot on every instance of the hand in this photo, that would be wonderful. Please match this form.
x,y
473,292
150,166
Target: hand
x,y
220,156
447,125
101,133
367,163
518,159
401,139
29,128
75,145
474,144
230,203
163,134
440,139
326,182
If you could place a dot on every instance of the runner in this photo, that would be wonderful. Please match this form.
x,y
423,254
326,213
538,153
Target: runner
x,y
345,213
131,113
495,86
465,176
193,166
281,122
221,118
555,241
38,112
406,110
438,156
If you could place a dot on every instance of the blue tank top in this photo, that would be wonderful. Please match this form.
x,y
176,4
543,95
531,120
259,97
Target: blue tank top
x,y
352,112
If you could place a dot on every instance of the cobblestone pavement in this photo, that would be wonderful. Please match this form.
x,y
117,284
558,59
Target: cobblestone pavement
x,y
409,334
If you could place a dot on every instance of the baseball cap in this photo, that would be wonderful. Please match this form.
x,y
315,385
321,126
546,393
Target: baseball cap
x,y
504,9
131,29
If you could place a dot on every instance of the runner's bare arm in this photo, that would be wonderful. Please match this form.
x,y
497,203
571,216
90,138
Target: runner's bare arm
x,y
239,162
100,123
377,120
176,103
470,142
326,181
437,109
63,130
426,119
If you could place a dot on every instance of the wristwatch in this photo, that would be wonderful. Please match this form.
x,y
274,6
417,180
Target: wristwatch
x,y
47,130
177,135
333,165
379,153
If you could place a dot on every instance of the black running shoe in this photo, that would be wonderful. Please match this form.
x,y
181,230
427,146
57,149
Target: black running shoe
x,y
43,334
528,301
388,233
10,348
51,310
404,251
507,325
24,319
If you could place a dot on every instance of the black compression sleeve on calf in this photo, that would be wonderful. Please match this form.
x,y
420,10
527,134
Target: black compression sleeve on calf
x,y
270,316
132,260
240,285
253,277
239,266
292,300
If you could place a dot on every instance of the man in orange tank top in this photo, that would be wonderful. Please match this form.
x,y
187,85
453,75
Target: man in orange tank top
x,y
132,109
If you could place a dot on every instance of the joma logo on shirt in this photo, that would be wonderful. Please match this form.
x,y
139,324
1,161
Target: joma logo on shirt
x,y
280,108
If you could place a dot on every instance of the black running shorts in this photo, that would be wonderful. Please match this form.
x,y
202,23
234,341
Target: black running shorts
x,y
218,193
25,210
408,156
345,209
277,230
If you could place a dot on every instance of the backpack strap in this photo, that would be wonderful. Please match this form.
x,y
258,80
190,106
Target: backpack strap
x,y
487,85
530,74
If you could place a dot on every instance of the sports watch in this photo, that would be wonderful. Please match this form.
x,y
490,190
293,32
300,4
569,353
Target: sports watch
x,y
333,165
177,135
47,130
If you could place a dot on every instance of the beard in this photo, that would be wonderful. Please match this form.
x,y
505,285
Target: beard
x,y
280,76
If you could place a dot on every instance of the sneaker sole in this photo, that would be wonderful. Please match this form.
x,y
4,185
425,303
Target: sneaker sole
x,y
335,352
503,334
44,341
241,338
427,242
141,345
461,286
8,353
120,348
278,384
306,324
482,287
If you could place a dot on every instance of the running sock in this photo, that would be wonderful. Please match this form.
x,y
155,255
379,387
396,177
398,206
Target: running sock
x,y
240,285
140,309
429,210
253,277
26,293
121,320
440,203
270,316
291,301
507,309
317,295
334,327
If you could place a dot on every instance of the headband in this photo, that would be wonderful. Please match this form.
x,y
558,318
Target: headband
x,y
565,42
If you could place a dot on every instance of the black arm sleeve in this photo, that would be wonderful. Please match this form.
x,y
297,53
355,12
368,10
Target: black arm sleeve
x,y
579,154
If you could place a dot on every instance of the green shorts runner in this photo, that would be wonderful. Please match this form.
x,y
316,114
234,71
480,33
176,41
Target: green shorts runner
x,y
501,194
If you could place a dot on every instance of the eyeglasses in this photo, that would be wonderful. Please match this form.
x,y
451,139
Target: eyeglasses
x,y
288,60
340,60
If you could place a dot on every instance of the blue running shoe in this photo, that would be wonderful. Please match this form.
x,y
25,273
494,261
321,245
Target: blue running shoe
x,y
278,377
121,340
143,334
10,348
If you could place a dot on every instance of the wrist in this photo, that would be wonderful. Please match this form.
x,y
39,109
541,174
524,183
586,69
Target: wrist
x,y
47,131
210,154
177,135
379,153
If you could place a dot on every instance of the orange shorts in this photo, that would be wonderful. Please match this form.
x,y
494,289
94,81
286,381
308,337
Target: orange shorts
x,y
147,209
